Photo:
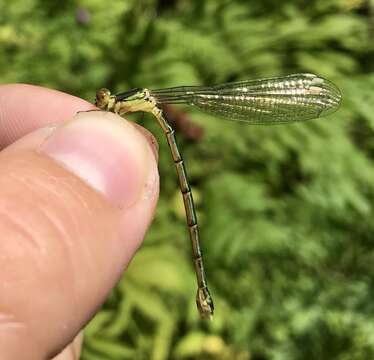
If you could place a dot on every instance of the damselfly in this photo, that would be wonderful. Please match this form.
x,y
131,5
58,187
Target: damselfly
x,y
266,101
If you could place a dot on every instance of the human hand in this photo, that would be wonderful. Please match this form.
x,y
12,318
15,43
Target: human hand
x,y
77,195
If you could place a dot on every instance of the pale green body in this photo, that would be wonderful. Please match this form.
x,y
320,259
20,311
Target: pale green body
x,y
143,101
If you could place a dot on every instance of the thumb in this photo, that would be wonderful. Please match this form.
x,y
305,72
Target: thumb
x,y
75,203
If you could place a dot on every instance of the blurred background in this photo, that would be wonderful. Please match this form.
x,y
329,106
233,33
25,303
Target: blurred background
x,y
286,212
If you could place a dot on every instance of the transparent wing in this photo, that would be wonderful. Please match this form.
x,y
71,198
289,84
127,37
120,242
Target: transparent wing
x,y
266,101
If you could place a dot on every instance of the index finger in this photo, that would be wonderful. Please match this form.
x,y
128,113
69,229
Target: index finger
x,y
24,108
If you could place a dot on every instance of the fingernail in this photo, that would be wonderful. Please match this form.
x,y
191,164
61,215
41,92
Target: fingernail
x,y
149,137
108,153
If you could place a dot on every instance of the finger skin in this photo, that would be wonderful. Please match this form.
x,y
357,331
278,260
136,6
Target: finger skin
x,y
25,108
73,350
63,244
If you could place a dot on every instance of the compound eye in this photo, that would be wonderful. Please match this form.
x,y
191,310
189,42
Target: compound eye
x,y
102,98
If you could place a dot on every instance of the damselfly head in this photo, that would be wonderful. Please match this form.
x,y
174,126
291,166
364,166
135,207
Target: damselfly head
x,y
102,98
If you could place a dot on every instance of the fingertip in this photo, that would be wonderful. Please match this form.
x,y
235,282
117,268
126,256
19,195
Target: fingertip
x,y
107,152
25,108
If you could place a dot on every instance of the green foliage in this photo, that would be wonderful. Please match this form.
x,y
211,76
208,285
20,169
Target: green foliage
x,y
286,212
